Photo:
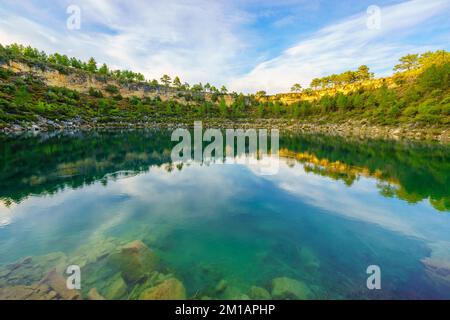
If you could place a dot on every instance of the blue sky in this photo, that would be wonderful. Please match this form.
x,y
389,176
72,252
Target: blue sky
x,y
247,45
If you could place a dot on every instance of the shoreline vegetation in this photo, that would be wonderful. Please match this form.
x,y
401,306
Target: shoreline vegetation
x,y
40,92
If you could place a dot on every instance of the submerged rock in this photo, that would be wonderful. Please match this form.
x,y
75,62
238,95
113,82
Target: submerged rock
x,y
51,287
93,251
117,288
258,293
170,289
22,292
285,288
134,260
233,293
58,284
32,269
94,295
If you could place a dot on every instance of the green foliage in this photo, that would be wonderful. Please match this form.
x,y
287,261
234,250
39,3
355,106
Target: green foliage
x,y
407,63
435,76
92,65
95,93
421,94
296,87
347,77
223,107
112,89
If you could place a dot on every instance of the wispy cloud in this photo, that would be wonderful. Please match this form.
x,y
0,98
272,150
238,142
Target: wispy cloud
x,y
227,42
345,45
198,40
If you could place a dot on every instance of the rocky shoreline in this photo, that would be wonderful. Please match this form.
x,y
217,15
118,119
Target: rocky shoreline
x,y
349,128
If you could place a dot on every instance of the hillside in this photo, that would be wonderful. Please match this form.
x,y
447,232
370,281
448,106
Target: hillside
x,y
47,92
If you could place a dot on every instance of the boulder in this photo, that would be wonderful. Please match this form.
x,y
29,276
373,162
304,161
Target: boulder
x,y
285,288
170,289
58,283
134,260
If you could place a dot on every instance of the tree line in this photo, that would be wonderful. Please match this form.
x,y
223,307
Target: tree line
x,y
14,51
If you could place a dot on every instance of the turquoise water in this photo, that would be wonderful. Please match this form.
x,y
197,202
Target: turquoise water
x,y
335,207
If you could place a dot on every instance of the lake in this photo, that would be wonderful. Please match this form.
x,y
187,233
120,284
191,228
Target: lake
x,y
112,203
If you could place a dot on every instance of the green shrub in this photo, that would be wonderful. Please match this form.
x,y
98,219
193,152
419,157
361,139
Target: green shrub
x,y
428,107
410,111
429,118
445,109
95,93
112,89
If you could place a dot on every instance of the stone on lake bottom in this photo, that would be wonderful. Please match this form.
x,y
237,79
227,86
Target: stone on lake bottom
x,y
94,295
134,260
117,288
170,289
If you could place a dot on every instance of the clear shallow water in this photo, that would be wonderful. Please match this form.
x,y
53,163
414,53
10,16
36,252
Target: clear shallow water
x,y
335,207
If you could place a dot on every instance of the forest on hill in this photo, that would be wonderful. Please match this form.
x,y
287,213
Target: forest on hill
x,y
417,92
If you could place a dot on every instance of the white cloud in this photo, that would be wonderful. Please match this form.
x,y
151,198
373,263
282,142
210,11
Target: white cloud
x,y
196,40
213,41
344,45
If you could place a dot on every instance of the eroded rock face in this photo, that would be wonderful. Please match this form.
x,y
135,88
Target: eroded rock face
x,y
284,288
134,260
170,289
